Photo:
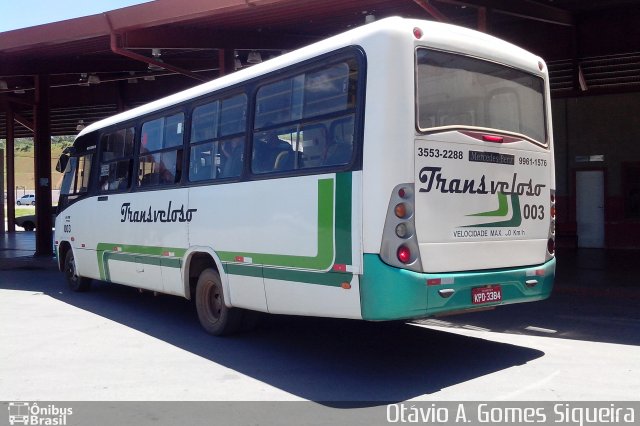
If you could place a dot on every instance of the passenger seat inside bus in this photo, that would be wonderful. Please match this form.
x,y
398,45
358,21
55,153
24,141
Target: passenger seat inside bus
x,y
338,153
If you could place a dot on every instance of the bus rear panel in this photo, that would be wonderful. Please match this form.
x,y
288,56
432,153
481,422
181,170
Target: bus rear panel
x,y
475,228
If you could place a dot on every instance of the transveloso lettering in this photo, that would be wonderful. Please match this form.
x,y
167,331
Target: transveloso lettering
x,y
432,177
152,216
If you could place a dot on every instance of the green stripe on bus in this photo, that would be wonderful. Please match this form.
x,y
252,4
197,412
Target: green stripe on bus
x,y
325,250
343,219
147,255
333,279
323,260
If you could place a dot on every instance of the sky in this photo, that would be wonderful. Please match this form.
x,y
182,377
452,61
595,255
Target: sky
x,y
27,13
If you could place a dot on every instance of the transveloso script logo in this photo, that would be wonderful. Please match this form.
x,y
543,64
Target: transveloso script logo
x,y
25,413
506,191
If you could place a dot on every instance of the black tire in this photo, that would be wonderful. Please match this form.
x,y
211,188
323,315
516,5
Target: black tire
x,y
29,226
75,282
33,203
216,318
18,203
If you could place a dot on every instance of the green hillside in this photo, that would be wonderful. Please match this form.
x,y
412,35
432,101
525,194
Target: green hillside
x,y
24,161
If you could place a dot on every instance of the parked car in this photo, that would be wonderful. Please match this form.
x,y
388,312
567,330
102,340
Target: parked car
x,y
27,199
28,222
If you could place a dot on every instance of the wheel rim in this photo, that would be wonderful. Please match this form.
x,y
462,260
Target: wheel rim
x,y
214,302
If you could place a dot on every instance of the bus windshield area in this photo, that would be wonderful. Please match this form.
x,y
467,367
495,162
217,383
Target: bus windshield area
x,y
457,90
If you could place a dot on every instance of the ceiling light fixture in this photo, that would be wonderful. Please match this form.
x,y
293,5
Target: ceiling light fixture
x,y
156,53
82,81
254,57
237,63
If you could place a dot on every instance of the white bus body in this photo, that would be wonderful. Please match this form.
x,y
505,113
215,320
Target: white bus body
x,y
476,223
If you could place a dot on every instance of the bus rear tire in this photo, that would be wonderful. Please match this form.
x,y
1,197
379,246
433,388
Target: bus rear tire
x,y
75,282
215,317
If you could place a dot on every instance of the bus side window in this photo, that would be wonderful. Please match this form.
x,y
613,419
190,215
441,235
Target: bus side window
x,y
217,139
116,160
340,150
202,164
84,169
297,120
161,151
271,151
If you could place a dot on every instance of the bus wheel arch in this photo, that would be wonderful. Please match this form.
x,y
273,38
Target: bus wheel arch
x,y
196,261
76,282
63,248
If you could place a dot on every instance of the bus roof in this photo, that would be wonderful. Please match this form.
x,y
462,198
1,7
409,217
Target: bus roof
x,y
436,35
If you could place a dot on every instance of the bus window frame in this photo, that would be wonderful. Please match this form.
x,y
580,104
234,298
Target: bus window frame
x,y
358,110
217,96
82,146
181,108
125,125
249,88
440,129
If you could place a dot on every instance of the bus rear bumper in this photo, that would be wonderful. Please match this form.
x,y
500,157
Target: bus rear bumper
x,y
389,293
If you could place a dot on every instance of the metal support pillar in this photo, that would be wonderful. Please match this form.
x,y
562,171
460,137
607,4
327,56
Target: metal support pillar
x,y
483,19
42,167
2,191
11,172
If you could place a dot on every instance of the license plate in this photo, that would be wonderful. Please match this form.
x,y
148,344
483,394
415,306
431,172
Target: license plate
x,y
492,294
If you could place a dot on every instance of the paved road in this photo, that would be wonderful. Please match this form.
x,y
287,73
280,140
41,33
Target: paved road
x,y
115,344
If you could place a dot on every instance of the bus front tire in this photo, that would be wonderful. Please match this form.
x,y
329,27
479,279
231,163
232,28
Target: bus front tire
x,y
75,282
216,317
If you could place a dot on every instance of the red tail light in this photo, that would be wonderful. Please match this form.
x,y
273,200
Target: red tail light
x,y
491,138
404,254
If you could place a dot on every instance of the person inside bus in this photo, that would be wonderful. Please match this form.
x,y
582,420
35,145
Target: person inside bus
x,y
268,148
232,151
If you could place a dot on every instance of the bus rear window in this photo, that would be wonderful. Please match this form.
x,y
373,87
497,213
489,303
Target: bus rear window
x,y
460,91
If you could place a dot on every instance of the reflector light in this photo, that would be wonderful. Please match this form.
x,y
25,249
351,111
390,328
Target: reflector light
x,y
553,198
401,230
402,193
340,268
417,33
553,211
434,281
400,210
345,285
492,138
551,246
404,254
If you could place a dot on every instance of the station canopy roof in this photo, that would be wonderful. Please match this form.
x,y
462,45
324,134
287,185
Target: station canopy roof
x,y
101,64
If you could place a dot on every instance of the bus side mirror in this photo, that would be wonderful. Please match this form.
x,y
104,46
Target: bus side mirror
x,y
62,162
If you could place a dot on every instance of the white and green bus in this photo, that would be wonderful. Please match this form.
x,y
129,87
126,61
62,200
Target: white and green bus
x,y
400,170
